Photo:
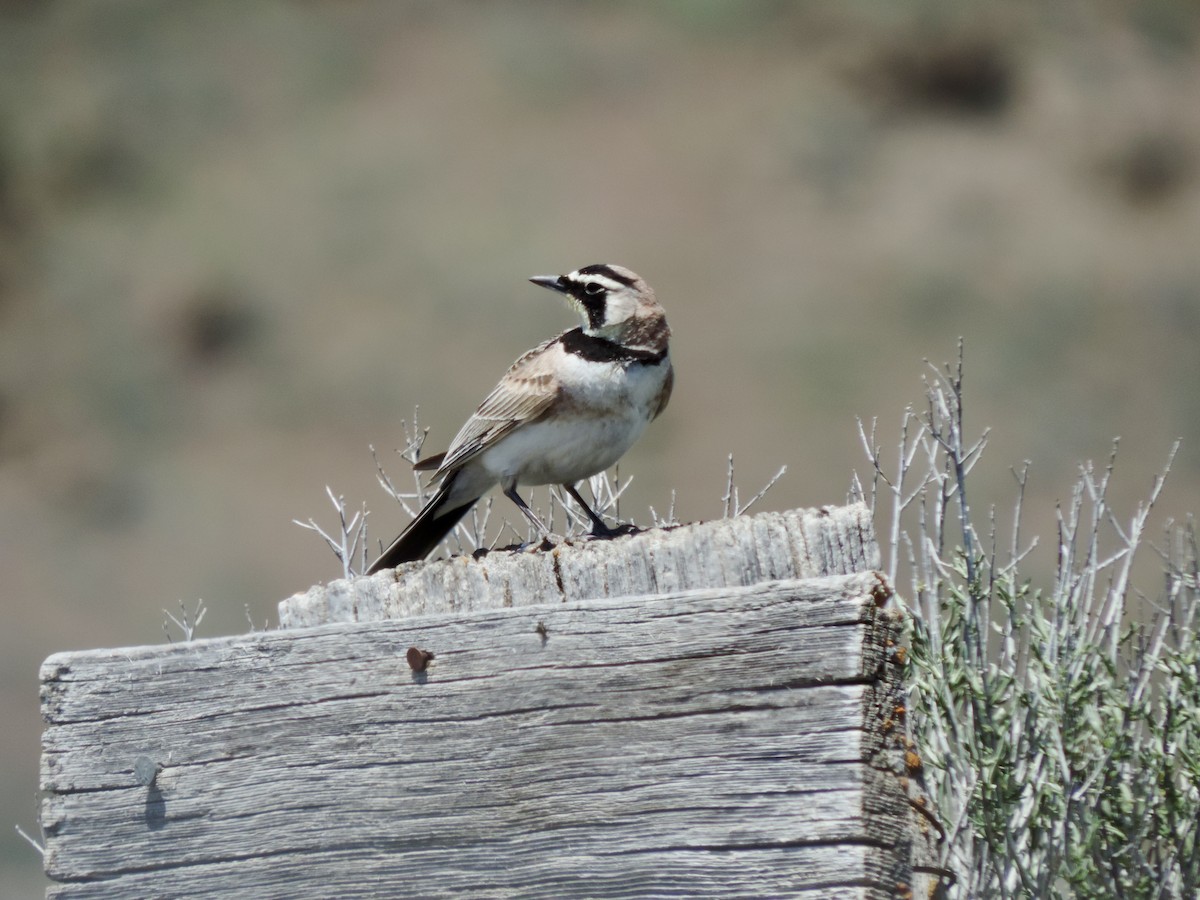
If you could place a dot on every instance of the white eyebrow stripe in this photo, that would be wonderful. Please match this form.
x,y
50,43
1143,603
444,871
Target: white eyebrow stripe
x,y
581,281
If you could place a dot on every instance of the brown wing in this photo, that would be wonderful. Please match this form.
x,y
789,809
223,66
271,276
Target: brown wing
x,y
523,395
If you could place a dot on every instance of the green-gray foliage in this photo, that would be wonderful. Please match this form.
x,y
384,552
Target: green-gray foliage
x,y
1059,726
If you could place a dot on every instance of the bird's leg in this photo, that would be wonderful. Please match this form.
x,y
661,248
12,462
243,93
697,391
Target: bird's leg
x,y
599,529
510,491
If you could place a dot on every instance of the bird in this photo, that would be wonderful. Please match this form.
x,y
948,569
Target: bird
x,y
564,411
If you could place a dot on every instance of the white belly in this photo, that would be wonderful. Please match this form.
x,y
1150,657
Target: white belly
x,y
562,452
605,410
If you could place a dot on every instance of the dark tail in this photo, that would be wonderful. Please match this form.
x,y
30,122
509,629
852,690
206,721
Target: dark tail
x,y
424,532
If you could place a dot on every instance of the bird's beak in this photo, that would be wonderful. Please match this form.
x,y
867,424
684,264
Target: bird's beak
x,y
554,282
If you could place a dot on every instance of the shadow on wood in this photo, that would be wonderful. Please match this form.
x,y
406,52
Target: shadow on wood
x,y
728,740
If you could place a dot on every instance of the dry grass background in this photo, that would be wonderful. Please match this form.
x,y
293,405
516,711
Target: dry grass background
x,y
238,242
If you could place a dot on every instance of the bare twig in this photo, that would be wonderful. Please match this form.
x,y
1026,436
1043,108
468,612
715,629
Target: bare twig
x,y
1051,728
351,536
33,842
187,623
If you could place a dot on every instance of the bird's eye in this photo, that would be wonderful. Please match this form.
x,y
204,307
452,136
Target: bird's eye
x,y
593,288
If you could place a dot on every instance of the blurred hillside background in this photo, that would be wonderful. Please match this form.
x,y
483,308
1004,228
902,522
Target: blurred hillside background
x,y
238,243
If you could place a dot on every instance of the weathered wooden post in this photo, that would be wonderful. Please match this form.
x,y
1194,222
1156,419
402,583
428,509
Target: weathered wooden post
x,y
710,710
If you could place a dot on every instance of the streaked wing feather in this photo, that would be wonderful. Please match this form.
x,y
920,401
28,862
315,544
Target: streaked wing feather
x,y
524,394
429,463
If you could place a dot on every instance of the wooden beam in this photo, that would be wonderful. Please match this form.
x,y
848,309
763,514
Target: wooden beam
x,y
717,742
798,543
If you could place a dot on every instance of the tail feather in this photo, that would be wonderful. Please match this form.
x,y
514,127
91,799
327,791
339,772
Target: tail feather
x,y
423,533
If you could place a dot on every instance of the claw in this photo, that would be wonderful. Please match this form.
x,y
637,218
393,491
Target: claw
x,y
604,533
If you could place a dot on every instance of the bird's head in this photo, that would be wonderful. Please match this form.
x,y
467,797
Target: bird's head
x,y
614,303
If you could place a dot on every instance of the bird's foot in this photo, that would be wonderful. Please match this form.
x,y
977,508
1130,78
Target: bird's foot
x,y
550,540
601,532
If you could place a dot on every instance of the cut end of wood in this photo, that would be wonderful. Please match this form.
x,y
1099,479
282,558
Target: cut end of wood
x,y
799,543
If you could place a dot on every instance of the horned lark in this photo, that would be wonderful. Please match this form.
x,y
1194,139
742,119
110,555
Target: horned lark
x,y
563,412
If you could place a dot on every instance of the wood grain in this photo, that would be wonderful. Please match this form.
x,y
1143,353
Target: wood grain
x,y
725,742
801,543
